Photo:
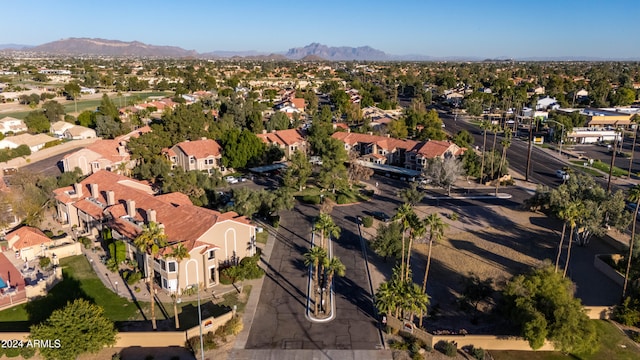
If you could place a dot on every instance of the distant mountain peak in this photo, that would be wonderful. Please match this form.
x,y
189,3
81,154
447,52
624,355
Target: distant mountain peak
x,y
97,46
336,53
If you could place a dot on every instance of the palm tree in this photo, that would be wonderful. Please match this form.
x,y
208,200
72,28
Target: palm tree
x,y
562,214
506,143
149,242
485,125
495,129
179,253
634,195
325,225
386,298
419,301
436,231
333,267
316,256
636,120
403,215
574,212
416,230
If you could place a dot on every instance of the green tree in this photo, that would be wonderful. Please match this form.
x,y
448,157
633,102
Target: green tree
x,y
387,242
108,108
37,122
149,242
403,216
543,305
278,121
463,139
398,129
80,327
485,126
411,195
53,110
443,172
87,119
334,267
333,173
298,172
72,90
241,149
109,127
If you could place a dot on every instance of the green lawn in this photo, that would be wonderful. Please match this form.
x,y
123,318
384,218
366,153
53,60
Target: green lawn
x,y
611,342
602,166
262,237
348,196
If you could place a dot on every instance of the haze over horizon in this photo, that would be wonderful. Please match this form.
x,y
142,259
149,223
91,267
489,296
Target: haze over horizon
x,y
466,28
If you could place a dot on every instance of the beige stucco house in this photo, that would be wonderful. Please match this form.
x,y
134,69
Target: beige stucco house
x,y
125,206
204,155
288,140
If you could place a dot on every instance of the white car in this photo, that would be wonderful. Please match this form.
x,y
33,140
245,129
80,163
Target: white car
x,y
562,174
231,179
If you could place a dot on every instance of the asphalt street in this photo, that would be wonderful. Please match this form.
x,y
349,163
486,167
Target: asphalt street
x,y
280,321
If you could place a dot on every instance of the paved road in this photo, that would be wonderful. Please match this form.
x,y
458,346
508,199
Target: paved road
x,y
280,321
48,166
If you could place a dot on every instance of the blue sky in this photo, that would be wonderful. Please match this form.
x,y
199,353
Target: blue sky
x,y
479,28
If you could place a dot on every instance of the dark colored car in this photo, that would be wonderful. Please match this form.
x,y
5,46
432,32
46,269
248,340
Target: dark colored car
x,y
379,215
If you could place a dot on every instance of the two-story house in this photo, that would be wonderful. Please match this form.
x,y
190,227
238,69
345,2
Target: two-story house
x,y
288,140
382,150
204,155
106,200
417,158
101,155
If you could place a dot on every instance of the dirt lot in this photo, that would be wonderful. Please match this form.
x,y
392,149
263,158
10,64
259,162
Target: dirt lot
x,y
490,241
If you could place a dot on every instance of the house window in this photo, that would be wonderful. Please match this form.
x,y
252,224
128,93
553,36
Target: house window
x,y
164,283
192,160
212,255
209,161
163,265
96,165
172,266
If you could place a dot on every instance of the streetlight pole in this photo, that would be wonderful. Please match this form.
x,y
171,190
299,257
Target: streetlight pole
x,y
613,161
526,176
200,323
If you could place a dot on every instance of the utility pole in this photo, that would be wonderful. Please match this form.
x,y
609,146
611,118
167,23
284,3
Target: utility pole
x,y
526,176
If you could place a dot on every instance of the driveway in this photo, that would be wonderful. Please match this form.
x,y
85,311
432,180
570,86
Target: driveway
x,y
280,321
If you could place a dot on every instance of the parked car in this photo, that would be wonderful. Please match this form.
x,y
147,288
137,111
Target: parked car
x,y
562,174
231,180
379,215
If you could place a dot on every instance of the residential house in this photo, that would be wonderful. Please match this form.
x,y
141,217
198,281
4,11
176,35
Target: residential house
x,y
101,155
34,142
109,202
59,127
546,103
606,118
417,158
454,98
78,132
204,155
288,140
379,118
377,149
10,124
27,242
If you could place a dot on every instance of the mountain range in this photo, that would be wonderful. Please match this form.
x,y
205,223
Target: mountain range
x,y
311,52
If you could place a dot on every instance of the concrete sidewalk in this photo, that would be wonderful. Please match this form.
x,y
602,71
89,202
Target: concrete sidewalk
x,y
47,153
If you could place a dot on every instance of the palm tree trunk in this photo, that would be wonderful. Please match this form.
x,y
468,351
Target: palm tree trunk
x,y
564,228
420,320
633,147
493,149
426,269
152,294
409,256
566,264
631,243
484,147
175,311
316,288
402,261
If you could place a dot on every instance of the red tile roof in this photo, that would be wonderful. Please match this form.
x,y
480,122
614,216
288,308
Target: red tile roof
x,y
200,148
27,237
298,103
10,274
386,143
283,137
108,149
435,148
182,220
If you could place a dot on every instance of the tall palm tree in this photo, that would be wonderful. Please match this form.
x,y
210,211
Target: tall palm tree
x,y
316,256
562,214
574,212
387,298
494,129
325,225
417,229
149,242
636,120
419,301
436,227
634,195
179,252
485,125
333,267
403,216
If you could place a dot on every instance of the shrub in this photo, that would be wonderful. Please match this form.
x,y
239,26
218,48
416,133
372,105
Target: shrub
x,y
44,262
448,348
85,241
367,221
132,276
342,199
478,353
627,313
311,199
49,233
635,336
231,327
118,251
112,265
